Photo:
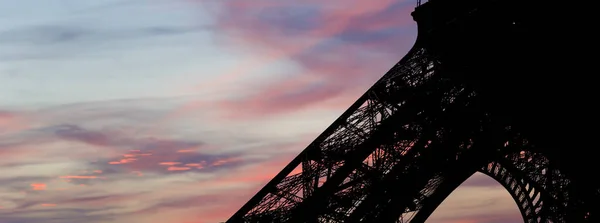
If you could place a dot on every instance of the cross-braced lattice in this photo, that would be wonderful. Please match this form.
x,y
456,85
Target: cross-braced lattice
x,y
430,123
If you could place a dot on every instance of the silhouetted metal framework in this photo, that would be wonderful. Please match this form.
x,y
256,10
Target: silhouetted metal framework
x,y
469,97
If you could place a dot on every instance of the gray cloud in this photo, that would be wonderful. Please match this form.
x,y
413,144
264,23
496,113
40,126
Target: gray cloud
x,y
60,41
22,183
186,202
44,35
54,215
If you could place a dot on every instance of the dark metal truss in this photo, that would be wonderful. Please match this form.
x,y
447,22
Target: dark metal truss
x,y
405,145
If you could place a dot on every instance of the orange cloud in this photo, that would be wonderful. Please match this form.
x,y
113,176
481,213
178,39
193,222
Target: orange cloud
x,y
123,161
224,161
48,205
38,186
168,163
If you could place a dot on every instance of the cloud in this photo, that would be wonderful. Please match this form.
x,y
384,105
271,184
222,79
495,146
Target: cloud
x,y
65,157
108,139
38,186
174,168
44,35
298,32
101,200
342,49
51,215
51,42
78,177
50,158
223,192
207,195
73,30
11,122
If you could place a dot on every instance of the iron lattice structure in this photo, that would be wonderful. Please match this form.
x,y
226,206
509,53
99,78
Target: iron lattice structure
x,y
467,98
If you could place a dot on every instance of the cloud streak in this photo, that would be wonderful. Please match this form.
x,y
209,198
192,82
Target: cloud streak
x,y
331,42
334,33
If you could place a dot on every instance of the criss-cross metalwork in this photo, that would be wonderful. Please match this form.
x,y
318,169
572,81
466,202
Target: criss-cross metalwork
x,y
443,112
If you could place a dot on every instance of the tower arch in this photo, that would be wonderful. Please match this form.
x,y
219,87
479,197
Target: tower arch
x,y
526,175
479,199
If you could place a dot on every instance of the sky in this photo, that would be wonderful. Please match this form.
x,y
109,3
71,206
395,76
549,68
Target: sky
x,y
178,111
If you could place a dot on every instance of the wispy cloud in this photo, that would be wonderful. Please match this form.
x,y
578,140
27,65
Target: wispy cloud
x,y
75,31
56,166
331,42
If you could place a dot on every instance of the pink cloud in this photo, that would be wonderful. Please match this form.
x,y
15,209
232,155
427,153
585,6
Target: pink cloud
x,y
174,160
115,141
241,18
326,86
176,168
123,161
221,202
78,177
11,122
16,152
243,21
155,150
197,165
252,176
331,74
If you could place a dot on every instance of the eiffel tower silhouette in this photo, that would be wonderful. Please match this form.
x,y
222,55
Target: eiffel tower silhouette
x,y
482,90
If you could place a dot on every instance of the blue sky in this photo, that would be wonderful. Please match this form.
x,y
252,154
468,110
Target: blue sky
x,y
180,110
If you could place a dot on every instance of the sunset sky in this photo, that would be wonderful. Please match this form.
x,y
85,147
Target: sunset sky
x,y
177,111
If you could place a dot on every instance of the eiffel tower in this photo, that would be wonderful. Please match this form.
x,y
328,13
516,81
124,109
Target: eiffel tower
x,y
480,91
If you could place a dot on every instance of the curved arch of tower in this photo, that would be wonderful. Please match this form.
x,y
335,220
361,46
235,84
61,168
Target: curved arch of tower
x,y
467,97
525,175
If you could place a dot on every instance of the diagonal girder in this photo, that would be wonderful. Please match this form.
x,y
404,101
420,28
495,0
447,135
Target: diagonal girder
x,y
457,103
359,145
